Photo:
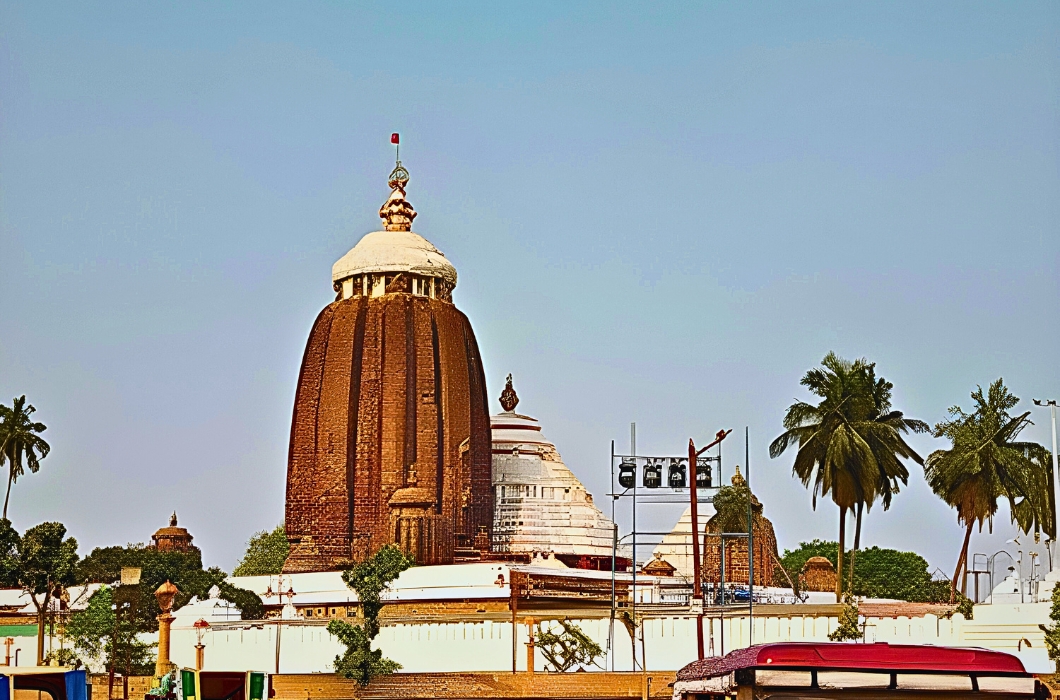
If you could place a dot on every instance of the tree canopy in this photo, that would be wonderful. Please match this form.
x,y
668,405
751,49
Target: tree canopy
x,y
183,569
850,443
987,463
266,553
42,562
881,573
21,445
92,632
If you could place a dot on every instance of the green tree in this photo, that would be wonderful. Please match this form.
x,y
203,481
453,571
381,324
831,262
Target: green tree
x,y
42,562
848,629
19,439
368,579
97,639
183,569
889,573
881,573
986,463
266,553
731,505
850,443
887,447
1052,632
566,645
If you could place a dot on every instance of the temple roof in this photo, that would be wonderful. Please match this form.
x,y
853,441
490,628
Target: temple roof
x,y
396,248
394,251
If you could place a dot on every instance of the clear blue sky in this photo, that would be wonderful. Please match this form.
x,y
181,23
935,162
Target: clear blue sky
x,y
659,214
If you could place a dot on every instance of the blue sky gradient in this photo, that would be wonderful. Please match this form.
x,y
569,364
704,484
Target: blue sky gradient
x,y
659,214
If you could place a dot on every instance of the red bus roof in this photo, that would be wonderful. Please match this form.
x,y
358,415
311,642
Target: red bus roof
x,y
908,658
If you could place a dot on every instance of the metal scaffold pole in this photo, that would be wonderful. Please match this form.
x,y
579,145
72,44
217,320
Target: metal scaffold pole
x,y
614,552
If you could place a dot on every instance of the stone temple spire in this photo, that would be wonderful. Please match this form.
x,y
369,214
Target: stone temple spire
x,y
397,213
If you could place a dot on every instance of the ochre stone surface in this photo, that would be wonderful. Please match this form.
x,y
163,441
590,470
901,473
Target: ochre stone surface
x,y
818,574
390,437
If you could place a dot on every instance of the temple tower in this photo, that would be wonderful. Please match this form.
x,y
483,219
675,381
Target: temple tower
x,y
390,437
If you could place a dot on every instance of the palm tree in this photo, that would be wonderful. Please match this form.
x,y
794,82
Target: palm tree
x,y
884,439
849,444
18,439
987,463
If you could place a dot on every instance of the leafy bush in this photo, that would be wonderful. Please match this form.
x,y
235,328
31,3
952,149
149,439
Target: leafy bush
x,y
848,629
1052,632
566,647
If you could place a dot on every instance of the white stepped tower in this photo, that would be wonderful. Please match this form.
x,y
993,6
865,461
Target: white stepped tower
x,y
540,506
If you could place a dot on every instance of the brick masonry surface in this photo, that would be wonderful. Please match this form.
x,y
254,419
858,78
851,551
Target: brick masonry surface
x,y
476,685
390,437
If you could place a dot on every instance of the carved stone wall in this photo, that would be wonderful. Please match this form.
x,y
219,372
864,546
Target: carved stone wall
x,y
391,398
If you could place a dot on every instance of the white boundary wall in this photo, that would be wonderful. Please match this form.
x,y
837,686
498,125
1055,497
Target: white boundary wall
x,y
669,642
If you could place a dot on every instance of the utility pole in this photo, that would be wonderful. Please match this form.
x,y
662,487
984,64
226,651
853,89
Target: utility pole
x,y
1051,403
693,496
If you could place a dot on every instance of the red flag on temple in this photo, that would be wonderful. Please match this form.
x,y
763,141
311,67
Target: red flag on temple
x,y
394,138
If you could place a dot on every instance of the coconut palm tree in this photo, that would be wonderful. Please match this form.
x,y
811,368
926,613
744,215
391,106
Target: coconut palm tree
x,y
985,464
849,444
19,439
885,441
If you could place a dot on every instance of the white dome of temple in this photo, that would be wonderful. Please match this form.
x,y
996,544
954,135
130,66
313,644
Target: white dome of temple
x,y
394,251
394,259
540,506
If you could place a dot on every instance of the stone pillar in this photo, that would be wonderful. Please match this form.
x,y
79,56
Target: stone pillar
x,y
165,595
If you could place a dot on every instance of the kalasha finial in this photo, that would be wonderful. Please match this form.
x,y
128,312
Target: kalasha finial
x,y
397,213
173,519
509,399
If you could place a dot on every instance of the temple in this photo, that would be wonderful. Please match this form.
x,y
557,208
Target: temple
x,y
390,437
541,507
173,538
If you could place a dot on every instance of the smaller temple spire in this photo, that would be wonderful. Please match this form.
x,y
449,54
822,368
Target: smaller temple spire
x,y
509,399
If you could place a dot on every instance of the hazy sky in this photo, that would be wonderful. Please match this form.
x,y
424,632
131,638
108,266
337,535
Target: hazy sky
x,y
661,214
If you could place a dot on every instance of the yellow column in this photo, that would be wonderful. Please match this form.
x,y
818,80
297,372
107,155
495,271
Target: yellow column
x,y
164,595
163,665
